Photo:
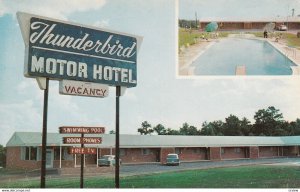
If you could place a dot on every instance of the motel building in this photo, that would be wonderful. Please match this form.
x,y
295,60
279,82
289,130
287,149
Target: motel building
x,y
293,23
24,149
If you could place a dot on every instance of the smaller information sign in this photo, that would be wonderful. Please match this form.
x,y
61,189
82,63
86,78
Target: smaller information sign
x,y
82,130
82,140
79,150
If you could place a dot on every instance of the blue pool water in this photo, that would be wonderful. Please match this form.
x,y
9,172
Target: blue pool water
x,y
259,57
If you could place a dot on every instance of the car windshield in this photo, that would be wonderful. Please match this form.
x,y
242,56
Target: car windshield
x,y
107,157
172,156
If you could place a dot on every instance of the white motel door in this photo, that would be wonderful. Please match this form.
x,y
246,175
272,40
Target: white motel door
x,y
49,158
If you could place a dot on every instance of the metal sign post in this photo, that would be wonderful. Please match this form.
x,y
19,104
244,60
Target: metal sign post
x,y
81,164
44,135
117,170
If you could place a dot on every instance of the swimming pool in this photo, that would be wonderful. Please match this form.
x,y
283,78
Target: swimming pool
x,y
258,57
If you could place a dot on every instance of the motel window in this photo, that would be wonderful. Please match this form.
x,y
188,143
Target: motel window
x,y
122,152
197,150
145,151
222,150
202,150
66,155
57,153
178,151
237,150
29,153
33,153
39,154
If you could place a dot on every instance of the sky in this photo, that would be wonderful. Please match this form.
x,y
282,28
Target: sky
x,y
238,10
160,96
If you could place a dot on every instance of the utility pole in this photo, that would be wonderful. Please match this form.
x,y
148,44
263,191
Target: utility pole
x,y
196,20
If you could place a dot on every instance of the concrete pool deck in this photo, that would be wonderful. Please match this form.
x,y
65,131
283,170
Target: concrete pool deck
x,y
290,52
188,55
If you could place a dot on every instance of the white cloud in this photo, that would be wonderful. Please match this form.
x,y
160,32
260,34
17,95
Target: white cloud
x,y
64,104
129,95
19,117
244,96
102,23
236,9
50,8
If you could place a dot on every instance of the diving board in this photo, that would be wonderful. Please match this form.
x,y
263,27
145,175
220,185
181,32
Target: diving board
x,y
240,70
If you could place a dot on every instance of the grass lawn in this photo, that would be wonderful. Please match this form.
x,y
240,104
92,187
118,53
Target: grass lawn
x,y
188,37
234,177
291,39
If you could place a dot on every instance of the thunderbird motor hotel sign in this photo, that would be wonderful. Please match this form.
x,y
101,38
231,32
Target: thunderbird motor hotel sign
x,y
61,50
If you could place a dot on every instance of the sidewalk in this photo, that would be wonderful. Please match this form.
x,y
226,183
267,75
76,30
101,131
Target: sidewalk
x,y
188,55
290,52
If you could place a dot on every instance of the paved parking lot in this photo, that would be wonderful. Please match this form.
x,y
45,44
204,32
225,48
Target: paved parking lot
x,y
158,168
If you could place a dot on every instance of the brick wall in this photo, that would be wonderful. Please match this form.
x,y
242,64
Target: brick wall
x,y
233,152
163,154
106,151
90,159
137,156
192,154
134,155
294,25
290,151
259,25
269,152
215,153
247,25
13,160
254,152
64,163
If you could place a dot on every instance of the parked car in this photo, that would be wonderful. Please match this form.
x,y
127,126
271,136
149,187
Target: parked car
x,y
173,159
281,27
107,160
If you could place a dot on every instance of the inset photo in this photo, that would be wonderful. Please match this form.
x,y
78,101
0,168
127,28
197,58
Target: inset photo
x,y
236,38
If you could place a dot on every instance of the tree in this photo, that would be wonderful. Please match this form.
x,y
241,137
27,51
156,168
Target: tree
x,y
187,24
160,129
246,127
186,129
285,129
212,128
268,122
2,156
112,132
295,127
145,129
232,126
207,129
170,131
